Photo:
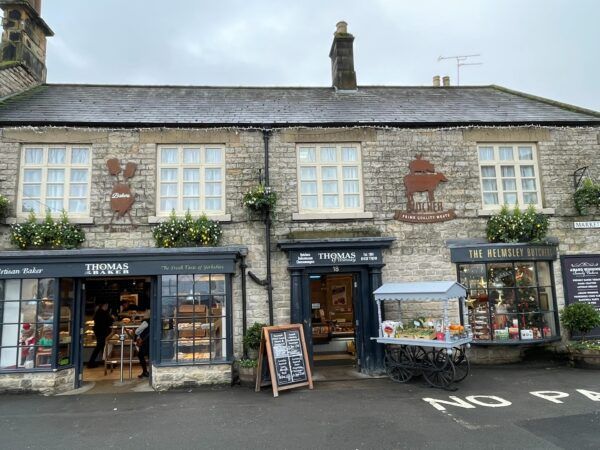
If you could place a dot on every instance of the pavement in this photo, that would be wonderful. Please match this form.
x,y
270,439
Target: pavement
x,y
537,406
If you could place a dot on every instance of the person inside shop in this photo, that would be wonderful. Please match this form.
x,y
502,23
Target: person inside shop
x,y
102,323
142,341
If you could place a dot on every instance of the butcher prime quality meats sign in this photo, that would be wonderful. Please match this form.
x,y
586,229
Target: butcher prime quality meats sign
x,y
423,180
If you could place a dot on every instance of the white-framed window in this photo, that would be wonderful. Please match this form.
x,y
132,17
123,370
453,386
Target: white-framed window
x,y
55,178
191,177
509,175
329,178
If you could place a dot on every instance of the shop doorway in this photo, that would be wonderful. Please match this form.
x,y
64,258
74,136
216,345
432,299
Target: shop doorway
x,y
114,308
333,319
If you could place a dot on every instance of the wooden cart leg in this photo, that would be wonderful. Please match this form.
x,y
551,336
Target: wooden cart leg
x,y
461,363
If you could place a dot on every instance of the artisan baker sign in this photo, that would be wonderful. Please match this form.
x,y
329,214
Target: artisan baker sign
x,y
423,180
502,252
335,257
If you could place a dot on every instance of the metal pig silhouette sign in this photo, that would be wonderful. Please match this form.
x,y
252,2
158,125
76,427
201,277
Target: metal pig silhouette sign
x,y
423,180
121,197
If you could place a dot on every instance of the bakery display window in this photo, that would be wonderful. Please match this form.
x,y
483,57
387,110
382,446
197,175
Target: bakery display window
x,y
27,309
194,316
510,301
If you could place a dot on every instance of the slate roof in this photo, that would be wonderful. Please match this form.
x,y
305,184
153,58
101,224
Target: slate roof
x,y
103,105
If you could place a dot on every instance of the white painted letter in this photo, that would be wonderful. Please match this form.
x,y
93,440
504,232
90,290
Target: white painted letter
x,y
501,401
593,396
551,396
457,402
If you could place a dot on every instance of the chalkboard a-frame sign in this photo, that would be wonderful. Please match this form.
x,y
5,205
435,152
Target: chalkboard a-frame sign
x,y
283,349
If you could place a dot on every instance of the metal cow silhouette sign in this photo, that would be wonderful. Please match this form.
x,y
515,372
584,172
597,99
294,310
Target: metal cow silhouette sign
x,y
423,180
121,197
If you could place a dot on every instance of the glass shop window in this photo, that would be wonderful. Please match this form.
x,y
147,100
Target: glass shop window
x,y
194,319
26,323
510,301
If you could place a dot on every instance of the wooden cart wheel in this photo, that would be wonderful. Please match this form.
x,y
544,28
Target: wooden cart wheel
x,y
417,356
397,365
461,363
439,371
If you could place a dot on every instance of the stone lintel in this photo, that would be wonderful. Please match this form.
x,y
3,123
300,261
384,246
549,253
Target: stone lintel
x,y
201,136
56,135
310,135
520,134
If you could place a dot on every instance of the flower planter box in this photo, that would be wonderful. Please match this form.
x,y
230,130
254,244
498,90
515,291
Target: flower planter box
x,y
247,376
585,359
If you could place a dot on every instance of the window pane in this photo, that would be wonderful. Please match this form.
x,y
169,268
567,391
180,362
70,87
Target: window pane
x,y
486,153
309,202
489,185
79,175
329,173
308,187
350,187
56,155
212,174
349,154
509,184
510,198
527,171
506,154
308,173
350,173
213,204
526,153
193,204
508,171
352,201
528,184
490,198
488,171
77,206
55,206
306,154
169,156
56,175
191,174
330,201
168,204
168,174
32,175
328,154
31,205
34,156
191,189
29,289
168,189
530,198
32,190
330,187
214,156
213,189
80,155
53,190
191,156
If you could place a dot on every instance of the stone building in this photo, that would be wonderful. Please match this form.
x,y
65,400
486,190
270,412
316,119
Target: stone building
x,y
375,184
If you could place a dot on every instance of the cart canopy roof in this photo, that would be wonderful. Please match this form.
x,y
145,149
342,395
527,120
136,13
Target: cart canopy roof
x,y
424,290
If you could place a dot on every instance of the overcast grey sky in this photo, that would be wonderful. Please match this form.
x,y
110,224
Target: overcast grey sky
x,y
549,48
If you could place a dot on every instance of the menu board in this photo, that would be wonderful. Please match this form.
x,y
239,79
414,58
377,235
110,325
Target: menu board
x,y
581,277
285,351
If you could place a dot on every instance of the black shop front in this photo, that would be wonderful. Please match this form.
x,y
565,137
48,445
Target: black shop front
x,y
47,297
331,286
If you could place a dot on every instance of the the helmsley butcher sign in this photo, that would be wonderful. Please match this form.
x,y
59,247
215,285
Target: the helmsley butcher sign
x,y
423,179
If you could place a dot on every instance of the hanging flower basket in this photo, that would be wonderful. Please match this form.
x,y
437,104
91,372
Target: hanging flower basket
x,y
587,197
187,232
516,226
260,199
49,234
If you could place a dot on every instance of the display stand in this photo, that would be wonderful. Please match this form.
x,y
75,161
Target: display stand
x,y
441,362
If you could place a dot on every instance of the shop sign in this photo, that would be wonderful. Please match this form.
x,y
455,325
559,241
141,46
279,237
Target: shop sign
x,y
581,277
588,224
337,257
423,179
502,252
121,268
121,197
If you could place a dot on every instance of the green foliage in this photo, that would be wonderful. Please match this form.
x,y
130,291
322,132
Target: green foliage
x,y
248,363
260,199
187,232
4,207
588,195
253,336
580,317
517,226
586,345
56,234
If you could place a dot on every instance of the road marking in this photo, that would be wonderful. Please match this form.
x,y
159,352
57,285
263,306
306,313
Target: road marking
x,y
500,402
457,402
551,396
593,396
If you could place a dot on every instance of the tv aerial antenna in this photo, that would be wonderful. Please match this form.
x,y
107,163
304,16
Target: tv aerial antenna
x,y
461,60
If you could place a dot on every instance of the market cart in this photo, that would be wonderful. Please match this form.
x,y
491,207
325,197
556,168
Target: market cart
x,y
440,356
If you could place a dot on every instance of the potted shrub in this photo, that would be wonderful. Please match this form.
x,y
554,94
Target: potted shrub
x,y
247,371
187,232
260,199
4,207
517,226
48,234
582,318
252,339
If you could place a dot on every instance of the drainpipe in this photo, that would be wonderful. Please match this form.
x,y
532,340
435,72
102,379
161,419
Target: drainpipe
x,y
269,284
244,314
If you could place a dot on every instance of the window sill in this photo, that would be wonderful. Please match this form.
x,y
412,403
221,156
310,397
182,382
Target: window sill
x,y
73,220
217,218
332,216
491,212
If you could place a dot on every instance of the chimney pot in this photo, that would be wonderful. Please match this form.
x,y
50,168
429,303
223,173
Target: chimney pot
x,y
343,76
446,81
436,81
341,28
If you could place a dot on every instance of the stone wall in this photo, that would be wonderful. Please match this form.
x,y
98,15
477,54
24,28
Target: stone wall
x,y
15,78
165,378
38,382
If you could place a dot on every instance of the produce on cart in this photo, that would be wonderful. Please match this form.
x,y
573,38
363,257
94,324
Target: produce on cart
x,y
430,346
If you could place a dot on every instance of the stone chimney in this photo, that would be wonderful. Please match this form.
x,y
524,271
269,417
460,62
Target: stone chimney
x,y
343,76
436,81
446,81
23,46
